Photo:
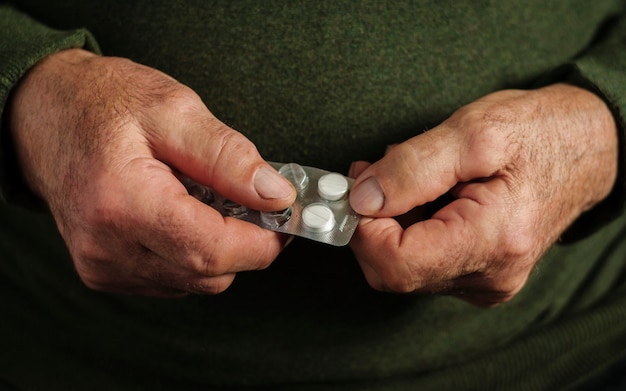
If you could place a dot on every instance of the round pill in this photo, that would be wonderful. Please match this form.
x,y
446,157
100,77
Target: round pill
x,y
318,217
332,187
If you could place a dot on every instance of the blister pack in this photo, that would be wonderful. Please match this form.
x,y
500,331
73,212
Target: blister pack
x,y
321,211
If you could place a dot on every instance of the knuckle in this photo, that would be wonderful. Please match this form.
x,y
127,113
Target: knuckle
x,y
94,284
86,251
398,279
501,298
375,282
400,285
145,83
263,264
488,137
210,266
174,99
231,144
93,279
213,267
209,286
519,243
94,264
507,288
216,287
178,96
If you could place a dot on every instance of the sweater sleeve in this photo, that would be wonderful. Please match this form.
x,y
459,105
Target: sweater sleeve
x,y
602,70
23,42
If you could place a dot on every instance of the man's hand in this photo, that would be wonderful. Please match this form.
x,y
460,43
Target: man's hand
x,y
102,139
518,168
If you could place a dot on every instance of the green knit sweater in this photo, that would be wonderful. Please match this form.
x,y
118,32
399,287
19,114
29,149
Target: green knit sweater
x,y
319,83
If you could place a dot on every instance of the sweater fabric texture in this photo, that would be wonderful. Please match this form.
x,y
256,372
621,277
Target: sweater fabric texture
x,y
322,84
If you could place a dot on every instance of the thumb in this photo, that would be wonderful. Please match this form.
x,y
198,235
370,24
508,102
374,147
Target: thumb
x,y
412,173
203,148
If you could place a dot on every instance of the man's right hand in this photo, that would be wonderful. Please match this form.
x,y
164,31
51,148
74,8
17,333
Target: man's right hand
x,y
101,140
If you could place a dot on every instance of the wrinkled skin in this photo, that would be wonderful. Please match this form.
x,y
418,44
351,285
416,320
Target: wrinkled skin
x,y
516,168
101,140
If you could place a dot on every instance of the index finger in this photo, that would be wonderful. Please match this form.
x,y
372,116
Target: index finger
x,y
425,167
427,253
196,237
477,233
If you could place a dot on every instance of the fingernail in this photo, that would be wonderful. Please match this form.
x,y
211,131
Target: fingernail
x,y
367,198
271,185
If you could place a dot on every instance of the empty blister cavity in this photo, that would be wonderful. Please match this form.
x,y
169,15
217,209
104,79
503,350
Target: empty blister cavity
x,y
199,192
295,174
234,209
273,220
332,186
